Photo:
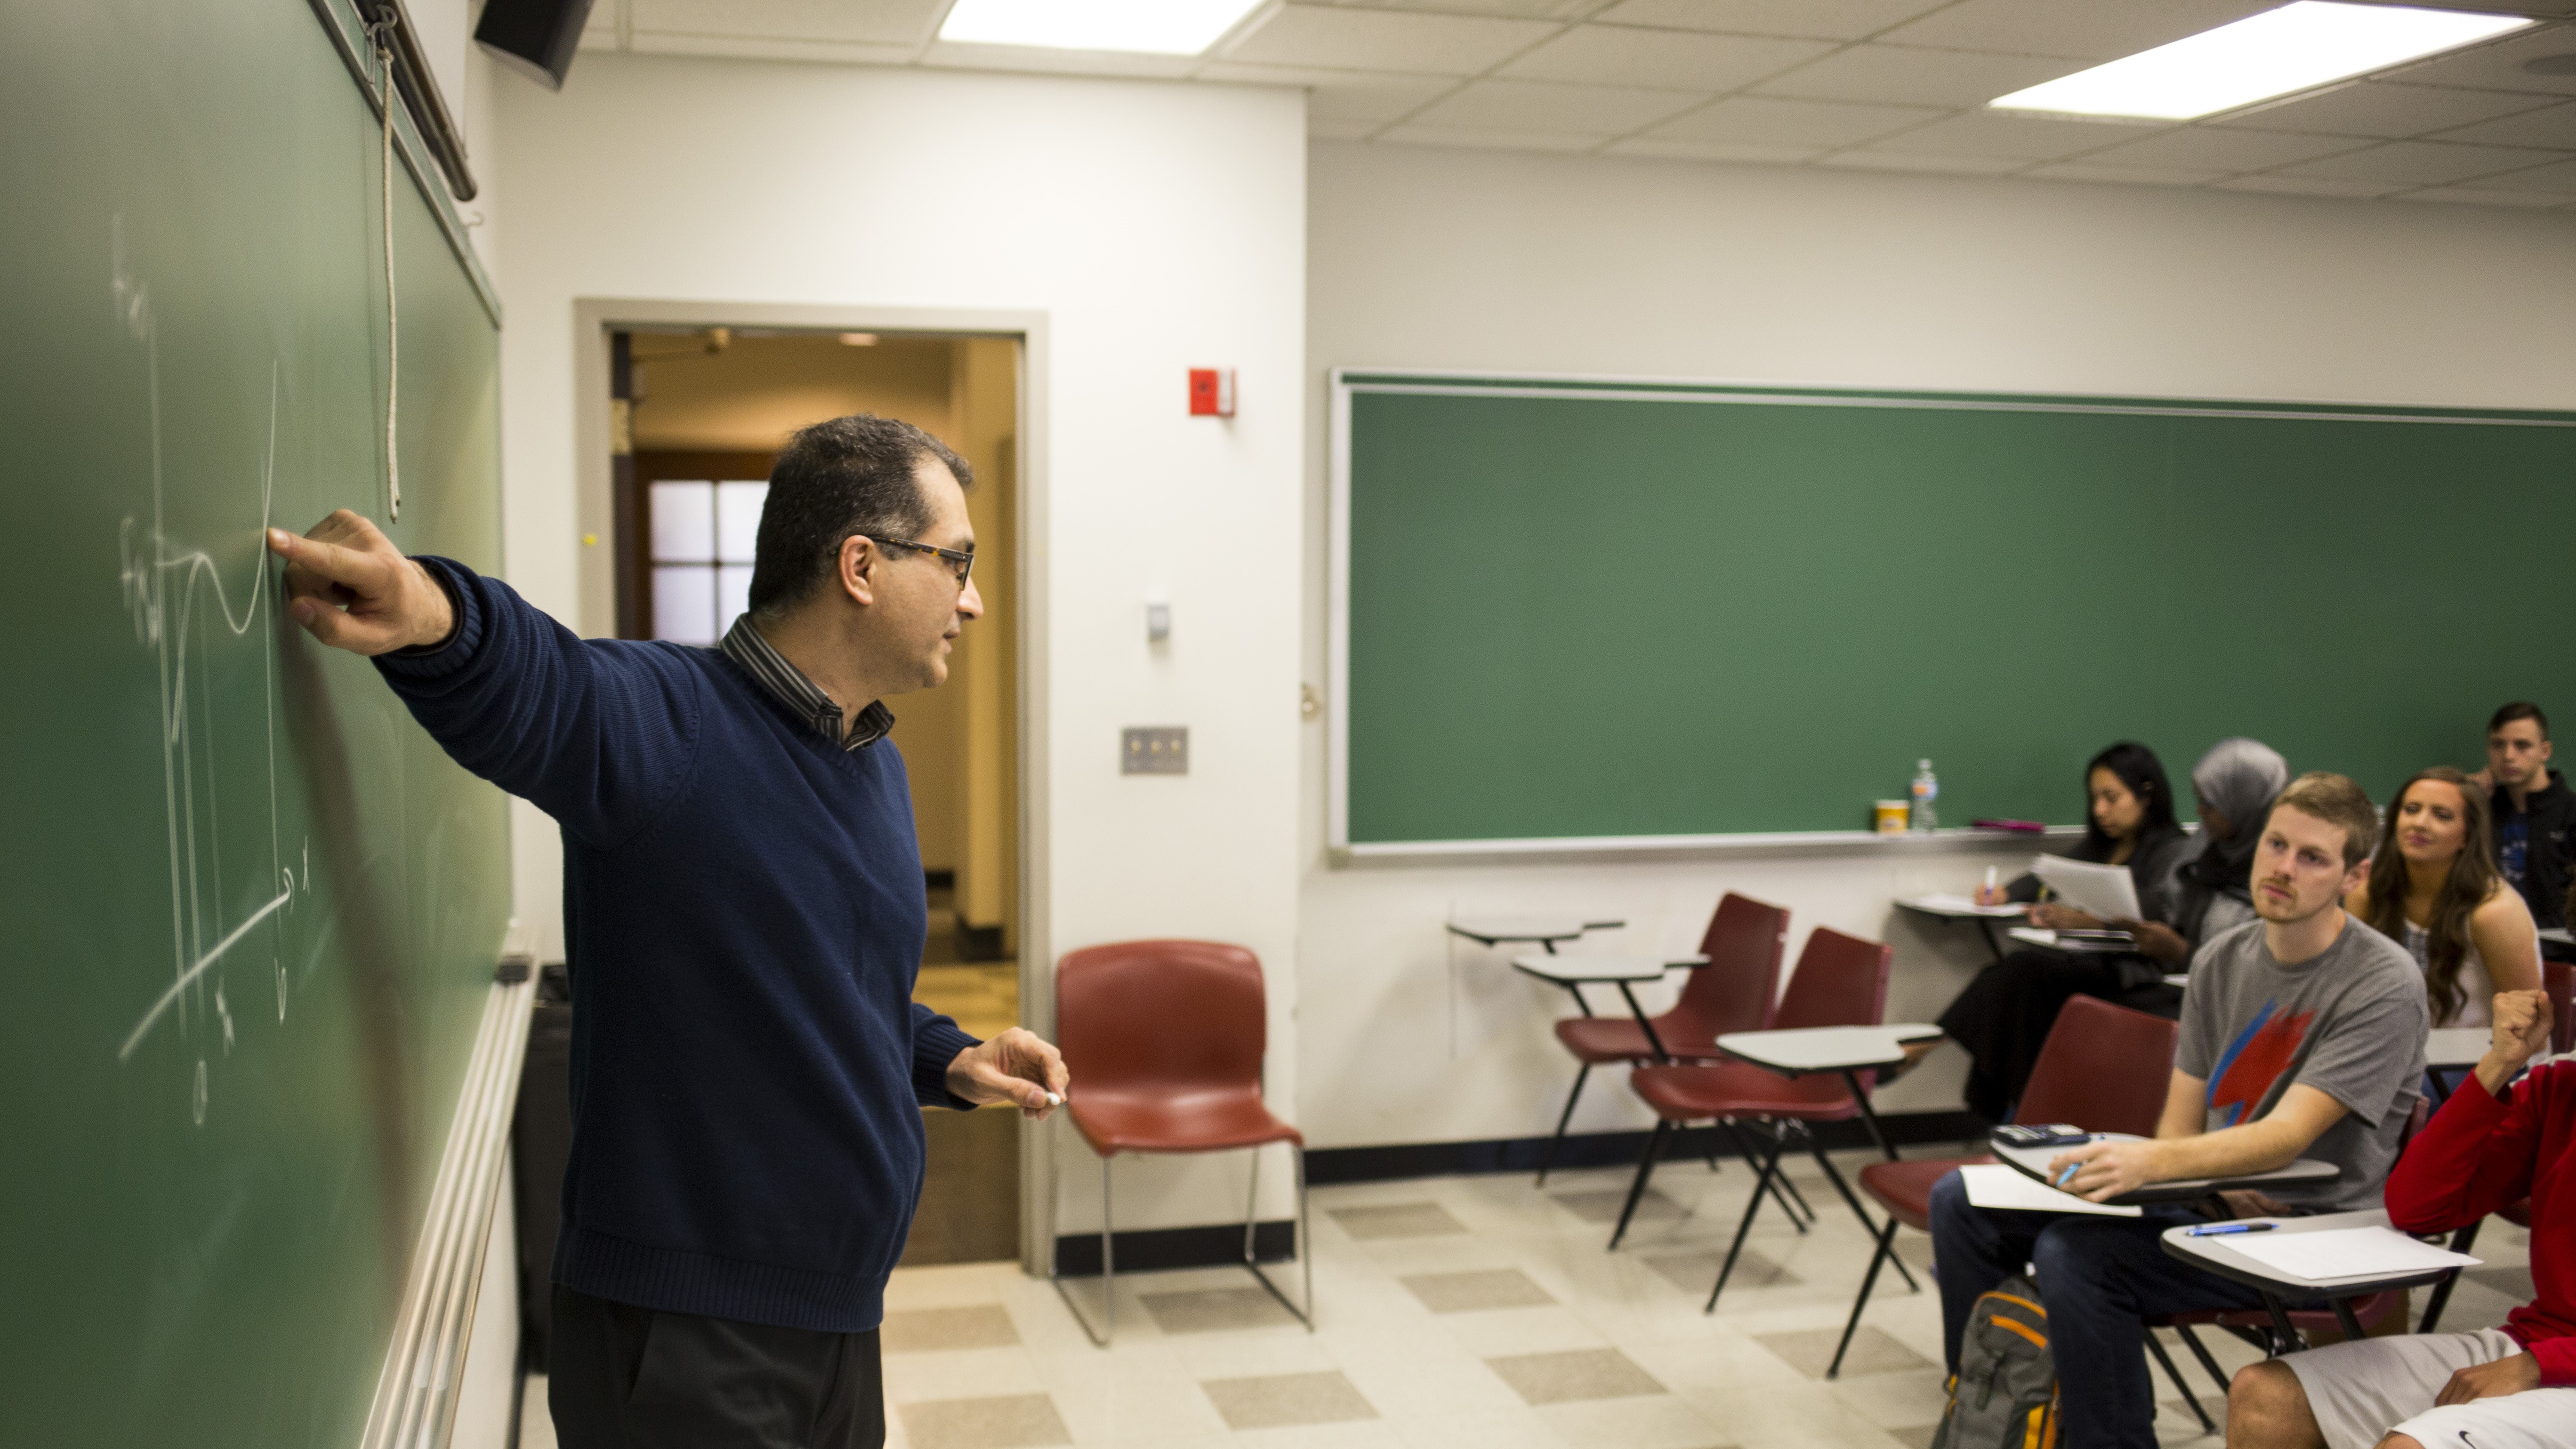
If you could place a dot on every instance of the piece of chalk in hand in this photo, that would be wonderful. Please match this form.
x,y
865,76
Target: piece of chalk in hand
x,y
1053,1100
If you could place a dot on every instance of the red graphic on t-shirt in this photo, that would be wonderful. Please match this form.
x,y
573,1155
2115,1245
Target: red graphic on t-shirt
x,y
2255,1060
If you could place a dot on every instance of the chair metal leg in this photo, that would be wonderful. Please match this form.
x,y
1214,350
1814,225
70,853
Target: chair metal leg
x,y
1836,1178
1645,1170
1792,1203
1108,1273
1770,1165
2199,1350
1548,1159
1305,1253
2175,1374
2461,1241
1868,1280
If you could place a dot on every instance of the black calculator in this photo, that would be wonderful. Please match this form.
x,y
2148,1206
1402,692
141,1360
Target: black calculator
x,y
2051,1134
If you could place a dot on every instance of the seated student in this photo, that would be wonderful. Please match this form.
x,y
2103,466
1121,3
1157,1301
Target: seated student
x,y
2532,810
2513,1388
2302,1036
2233,785
2004,1015
2433,889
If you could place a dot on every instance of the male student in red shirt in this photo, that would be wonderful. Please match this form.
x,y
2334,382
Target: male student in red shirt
x,y
2510,1388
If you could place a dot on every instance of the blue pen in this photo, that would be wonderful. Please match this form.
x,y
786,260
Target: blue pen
x,y
2212,1230
2068,1175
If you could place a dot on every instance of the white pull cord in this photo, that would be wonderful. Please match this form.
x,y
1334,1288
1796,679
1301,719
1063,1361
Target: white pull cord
x,y
393,348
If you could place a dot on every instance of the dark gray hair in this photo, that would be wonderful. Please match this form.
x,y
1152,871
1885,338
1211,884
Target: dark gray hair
x,y
834,481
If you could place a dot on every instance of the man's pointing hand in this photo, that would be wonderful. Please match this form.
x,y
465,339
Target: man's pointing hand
x,y
349,586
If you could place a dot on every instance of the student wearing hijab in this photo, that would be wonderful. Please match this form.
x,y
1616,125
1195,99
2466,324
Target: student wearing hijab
x,y
2434,889
2004,1015
2233,785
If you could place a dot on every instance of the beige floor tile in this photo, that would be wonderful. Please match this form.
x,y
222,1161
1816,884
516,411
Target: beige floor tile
x,y
1214,1310
1603,1206
1915,1437
928,1330
1897,1398
1016,1421
1250,1354
1810,1351
1280,1400
1477,1288
1695,1273
964,1373
1521,1430
1397,1220
1136,1393
1574,1374
1503,1332
1635,1423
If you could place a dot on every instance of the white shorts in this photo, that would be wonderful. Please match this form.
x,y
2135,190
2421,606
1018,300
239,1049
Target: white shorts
x,y
2362,1392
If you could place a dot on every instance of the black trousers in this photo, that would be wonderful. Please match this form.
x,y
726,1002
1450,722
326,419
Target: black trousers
x,y
631,1378
2003,1018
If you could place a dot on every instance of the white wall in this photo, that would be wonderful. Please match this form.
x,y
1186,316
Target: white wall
x,y
1158,226
1464,260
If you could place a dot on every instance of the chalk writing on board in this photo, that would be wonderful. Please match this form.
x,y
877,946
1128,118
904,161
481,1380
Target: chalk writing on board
x,y
180,608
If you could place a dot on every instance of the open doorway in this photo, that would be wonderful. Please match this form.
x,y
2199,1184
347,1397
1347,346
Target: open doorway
x,y
699,414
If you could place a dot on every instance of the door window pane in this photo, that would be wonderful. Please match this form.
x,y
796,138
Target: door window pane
x,y
684,603
738,520
684,524
733,594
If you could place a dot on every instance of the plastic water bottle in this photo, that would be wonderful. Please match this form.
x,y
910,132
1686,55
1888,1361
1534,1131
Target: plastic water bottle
x,y
1922,814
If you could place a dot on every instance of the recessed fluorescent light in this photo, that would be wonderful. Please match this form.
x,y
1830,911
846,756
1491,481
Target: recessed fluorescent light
x,y
2294,48
1155,27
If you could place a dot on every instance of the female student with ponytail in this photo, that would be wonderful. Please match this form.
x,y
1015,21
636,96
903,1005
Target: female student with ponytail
x,y
2434,888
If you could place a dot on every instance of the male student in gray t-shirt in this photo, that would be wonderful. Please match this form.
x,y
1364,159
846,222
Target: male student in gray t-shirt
x,y
2302,1036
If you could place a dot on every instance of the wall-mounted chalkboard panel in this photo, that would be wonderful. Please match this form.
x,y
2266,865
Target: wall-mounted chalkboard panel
x,y
1592,612
249,912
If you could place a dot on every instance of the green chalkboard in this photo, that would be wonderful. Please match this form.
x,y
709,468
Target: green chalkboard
x,y
1598,610
249,912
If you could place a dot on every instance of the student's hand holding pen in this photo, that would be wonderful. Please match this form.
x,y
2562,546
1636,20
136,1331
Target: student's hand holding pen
x,y
2100,1171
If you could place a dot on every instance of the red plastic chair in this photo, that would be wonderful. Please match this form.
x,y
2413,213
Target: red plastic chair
x,y
1840,981
1733,992
2558,978
1165,1042
2104,1068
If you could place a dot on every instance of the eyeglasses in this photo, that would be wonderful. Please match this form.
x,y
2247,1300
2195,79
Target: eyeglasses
x,y
959,563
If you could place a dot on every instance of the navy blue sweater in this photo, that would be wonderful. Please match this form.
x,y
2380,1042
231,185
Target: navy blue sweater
x,y
744,914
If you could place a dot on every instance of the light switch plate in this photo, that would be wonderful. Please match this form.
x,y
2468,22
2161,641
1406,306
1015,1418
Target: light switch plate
x,y
1154,750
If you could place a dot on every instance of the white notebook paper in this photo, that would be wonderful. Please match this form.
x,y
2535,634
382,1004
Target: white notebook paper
x,y
2103,891
2345,1253
1993,1185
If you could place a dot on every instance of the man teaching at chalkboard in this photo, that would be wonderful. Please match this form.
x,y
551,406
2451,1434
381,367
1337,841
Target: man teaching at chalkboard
x,y
744,914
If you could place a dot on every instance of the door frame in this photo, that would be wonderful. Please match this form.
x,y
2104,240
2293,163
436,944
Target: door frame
x,y
594,318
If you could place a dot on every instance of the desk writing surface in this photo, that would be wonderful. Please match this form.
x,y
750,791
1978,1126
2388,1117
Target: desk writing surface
x,y
1826,1048
2217,1254
2455,1046
1497,928
2034,1161
1962,908
1584,966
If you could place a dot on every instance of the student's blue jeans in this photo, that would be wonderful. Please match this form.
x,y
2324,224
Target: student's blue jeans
x,y
2099,1278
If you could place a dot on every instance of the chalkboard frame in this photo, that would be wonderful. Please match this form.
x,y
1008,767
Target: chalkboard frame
x,y
1345,383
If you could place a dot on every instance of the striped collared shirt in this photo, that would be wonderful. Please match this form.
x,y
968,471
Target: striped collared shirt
x,y
744,645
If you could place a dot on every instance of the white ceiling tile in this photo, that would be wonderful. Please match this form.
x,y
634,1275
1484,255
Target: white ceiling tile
x,y
1943,165
2123,175
879,21
1515,9
1490,140
2500,66
1767,121
2559,179
1509,105
2554,126
2384,110
1680,60
1668,148
1387,40
2217,148
2473,196
1997,133
1341,95
1320,129
2092,29
1045,60
2419,163
2279,185
1892,75
1816,19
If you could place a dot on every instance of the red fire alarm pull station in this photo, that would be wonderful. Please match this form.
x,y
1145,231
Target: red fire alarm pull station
x,y
1211,392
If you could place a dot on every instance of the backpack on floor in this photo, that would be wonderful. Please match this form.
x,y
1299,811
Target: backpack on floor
x,y
2004,1395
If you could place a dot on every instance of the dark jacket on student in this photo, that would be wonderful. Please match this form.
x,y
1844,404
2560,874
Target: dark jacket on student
x,y
2551,848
